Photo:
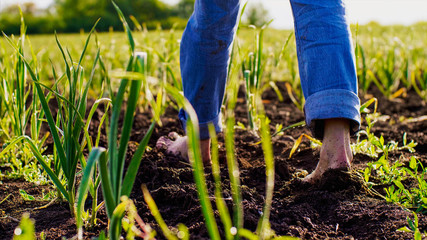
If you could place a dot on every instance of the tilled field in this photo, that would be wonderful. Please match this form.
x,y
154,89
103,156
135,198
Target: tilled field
x,y
339,207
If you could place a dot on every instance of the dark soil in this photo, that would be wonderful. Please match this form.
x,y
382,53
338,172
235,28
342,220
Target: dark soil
x,y
338,207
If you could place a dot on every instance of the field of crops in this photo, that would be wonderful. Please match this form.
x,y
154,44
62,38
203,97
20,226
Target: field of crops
x,y
80,116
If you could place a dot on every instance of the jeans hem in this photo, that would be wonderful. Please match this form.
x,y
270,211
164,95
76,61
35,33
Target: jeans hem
x,y
334,103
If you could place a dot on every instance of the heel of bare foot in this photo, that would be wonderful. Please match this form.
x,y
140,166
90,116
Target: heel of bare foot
x,y
178,146
335,152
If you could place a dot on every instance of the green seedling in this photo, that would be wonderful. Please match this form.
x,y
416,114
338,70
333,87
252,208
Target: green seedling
x,y
21,108
413,228
419,82
361,65
68,124
387,79
253,68
115,182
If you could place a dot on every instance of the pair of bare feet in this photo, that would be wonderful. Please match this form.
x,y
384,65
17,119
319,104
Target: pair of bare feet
x,y
335,152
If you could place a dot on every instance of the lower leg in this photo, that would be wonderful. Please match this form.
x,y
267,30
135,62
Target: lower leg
x,y
205,50
204,57
328,79
335,152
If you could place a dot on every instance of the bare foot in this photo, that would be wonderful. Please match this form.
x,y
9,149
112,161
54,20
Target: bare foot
x,y
178,146
335,152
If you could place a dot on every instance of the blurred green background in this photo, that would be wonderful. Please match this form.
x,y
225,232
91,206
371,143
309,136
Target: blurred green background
x,y
71,16
67,16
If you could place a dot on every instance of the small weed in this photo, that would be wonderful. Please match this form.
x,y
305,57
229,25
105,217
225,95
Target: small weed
x,y
44,197
413,228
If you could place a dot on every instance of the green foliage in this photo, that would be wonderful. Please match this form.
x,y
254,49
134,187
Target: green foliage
x,y
395,176
20,163
369,144
413,228
419,82
113,180
253,67
387,78
38,21
256,15
127,206
390,62
36,24
184,8
115,183
45,196
69,123
362,71
18,110
159,69
414,197
77,15
26,196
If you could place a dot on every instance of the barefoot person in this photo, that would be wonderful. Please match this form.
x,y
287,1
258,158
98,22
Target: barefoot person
x,y
327,71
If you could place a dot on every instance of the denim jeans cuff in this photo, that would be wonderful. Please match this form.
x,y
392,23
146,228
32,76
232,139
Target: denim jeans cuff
x,y
203,127
335,103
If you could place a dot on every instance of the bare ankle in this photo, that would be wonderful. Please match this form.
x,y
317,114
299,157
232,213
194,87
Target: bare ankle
x,y
336,143
205,148
337,126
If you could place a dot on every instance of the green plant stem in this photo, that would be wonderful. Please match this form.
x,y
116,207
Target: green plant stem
x,y
196,161
216,171
234,174
269,169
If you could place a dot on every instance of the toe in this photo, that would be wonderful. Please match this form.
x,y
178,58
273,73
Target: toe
x,y
163,143
311,178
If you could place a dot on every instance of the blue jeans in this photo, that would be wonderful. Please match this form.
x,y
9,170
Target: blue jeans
x,y
325,56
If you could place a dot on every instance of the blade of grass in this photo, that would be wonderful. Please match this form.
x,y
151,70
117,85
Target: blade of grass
x,y
233,47
267,147
117,157
116,218
126,130
195,158
368,103
84,186
298,142
112,138
88,139
234,173
107,189
260,46
298,124
126,27
233,169
87,43
216,172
